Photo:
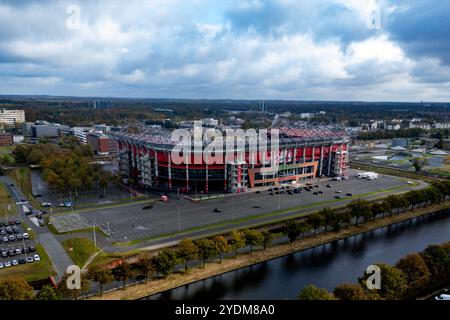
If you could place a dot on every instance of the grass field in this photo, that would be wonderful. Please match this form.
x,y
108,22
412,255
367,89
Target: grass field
x,y
7,205
80,249
22,178
33,271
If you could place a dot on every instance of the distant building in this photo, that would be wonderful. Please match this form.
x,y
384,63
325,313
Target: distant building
x,y
400,142
101,143
393,126
99,104
43,129
6,139
102,127
420,125
210,122
444,125
12,117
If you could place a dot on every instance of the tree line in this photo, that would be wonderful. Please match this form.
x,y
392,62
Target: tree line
x,y
412,276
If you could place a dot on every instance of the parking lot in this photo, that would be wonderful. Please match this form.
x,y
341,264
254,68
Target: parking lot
x,y
97,196
16,247
132,222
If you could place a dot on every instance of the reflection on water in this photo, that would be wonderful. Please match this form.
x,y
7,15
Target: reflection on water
x,y
325,266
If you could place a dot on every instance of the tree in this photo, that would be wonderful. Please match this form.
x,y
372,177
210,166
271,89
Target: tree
x,y
165,261
327,216
349,291
311,292
415,271
101,276
66,293
15,289
419,163
378,208
237,241
146,265
187,251
48,292
437,259
359,208
222,246
122,272
292,230
267,239
393,282
315,220
206,248
253,238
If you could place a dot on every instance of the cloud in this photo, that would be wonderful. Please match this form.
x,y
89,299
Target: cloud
x,y
220,49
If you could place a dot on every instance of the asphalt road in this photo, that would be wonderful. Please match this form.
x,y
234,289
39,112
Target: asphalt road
x,y
49,242
132,222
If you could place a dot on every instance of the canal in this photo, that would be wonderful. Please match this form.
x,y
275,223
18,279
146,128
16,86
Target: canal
x,y
325,266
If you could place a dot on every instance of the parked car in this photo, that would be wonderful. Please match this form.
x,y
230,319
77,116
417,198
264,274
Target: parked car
x,y
329,186
14,262
217,210
7,264
37,258
26,236
30,260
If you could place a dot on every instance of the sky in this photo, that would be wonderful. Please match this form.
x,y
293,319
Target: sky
x,y
366,50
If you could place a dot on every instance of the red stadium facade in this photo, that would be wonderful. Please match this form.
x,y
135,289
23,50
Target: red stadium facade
x,y
146,158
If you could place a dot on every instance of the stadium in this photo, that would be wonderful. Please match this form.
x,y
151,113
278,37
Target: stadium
x,y
145,159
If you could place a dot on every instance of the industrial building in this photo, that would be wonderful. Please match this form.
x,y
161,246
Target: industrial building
x,y
303,154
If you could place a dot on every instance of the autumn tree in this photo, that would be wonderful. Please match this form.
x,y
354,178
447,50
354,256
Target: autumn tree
x,y
47,292
122,273
207,249
237,241
221,245
311,292
415,271
253,238
350,291
165,261
101,276
15,289
187,251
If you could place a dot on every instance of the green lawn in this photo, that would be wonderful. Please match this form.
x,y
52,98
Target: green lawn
x,y
80,249
7,205
33,271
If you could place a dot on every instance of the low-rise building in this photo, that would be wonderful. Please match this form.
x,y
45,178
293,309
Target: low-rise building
x,y
101,143
12,117
6,139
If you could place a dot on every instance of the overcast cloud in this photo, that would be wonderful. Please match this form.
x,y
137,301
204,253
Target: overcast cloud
x,y
250,49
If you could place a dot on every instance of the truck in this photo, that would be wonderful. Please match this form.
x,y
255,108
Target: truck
x,y
26,210
367,175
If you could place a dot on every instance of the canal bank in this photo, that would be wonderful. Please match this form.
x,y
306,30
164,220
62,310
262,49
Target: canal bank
x,y
214,270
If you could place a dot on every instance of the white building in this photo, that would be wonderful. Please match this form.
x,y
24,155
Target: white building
x,y
11,117
81,133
